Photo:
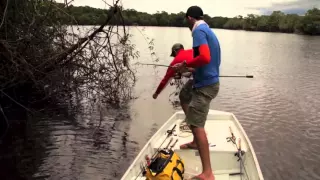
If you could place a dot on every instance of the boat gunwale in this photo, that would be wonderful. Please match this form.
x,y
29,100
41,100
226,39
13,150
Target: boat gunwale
x,y
255,159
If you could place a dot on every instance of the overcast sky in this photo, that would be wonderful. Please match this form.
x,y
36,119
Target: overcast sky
x,y
228,8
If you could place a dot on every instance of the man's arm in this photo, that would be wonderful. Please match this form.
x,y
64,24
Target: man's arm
x,y
201,50
169,74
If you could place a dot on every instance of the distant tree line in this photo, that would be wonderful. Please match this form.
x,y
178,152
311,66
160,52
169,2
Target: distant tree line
x,y
276,22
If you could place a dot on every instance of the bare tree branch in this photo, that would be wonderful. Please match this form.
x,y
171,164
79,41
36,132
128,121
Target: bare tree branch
x,y
58,61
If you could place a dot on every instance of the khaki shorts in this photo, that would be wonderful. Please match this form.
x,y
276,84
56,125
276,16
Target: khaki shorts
x,y
186,92
200,104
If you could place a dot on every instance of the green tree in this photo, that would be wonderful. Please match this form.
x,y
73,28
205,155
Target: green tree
x,y
288,23
276,22
250,22
311,22
262,23
234,23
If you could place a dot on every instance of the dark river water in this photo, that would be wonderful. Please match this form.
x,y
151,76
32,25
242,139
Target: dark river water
x,y
279,109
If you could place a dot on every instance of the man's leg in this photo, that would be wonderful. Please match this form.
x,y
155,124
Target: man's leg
x,y
185,98
196,117
185,107
202,145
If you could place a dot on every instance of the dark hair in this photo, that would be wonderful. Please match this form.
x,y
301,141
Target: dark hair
x,y
199,18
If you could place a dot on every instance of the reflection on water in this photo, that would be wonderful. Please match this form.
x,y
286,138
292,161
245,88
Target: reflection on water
x,y
279,108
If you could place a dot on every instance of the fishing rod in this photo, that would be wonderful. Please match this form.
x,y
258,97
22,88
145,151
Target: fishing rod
x,y
246,76
155,64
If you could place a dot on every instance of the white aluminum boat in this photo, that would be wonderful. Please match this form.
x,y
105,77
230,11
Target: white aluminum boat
x,y
223,153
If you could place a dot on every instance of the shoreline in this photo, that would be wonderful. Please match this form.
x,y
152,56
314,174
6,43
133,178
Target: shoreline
x,y
297,33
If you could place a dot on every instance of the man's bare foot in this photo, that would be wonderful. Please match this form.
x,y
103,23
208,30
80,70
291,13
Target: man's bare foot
x,y
203,177
190,145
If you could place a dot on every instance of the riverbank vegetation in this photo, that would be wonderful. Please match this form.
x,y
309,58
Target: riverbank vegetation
x,y
43,60
276,22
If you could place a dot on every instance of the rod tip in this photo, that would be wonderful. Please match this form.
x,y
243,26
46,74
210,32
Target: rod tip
x,y
249,76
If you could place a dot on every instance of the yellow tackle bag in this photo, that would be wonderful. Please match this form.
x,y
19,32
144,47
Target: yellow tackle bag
x,y
167,165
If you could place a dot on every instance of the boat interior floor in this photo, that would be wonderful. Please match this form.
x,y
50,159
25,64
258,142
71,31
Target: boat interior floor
x,y
224,163
217,133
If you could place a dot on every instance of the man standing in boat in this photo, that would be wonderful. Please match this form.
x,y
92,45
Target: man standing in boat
x,y
179,54
206,62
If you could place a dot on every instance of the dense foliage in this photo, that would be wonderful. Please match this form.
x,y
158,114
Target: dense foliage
x,y
41,56
276,22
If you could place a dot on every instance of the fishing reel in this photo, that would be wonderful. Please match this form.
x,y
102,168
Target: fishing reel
x,y
232,138
185,72
239,154
177,75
